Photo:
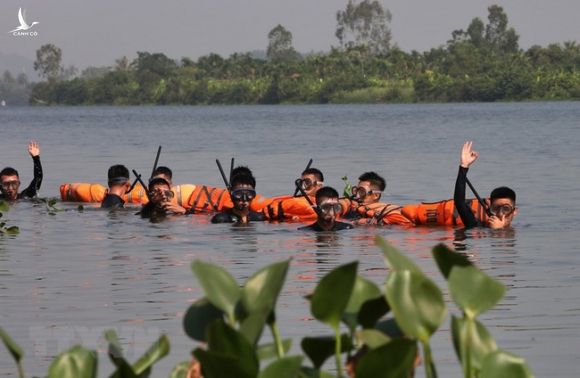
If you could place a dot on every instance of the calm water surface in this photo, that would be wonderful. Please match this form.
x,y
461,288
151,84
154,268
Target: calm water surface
x,y
68,277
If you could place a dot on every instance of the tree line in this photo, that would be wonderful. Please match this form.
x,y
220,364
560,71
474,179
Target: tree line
x,y
480,63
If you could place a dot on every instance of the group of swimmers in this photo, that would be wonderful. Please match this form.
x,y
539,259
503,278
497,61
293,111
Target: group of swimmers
x,y
325,200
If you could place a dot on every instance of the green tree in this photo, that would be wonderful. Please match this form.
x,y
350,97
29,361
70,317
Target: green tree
x,y
365,23
280,47
497,34
48,62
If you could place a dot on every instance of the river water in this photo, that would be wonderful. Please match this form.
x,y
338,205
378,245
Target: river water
x,y
69,276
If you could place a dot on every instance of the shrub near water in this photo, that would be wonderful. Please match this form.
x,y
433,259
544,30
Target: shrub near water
x,y
229,321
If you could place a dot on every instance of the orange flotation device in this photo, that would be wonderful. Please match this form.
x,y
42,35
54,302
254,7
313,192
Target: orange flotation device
x,y
378,213
442,213
289,209
87,192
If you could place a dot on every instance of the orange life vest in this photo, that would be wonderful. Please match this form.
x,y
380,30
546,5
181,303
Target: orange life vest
x,y
378,213
289,208
442,213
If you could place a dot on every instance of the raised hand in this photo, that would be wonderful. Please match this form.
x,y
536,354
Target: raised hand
x,y
33,148
468,156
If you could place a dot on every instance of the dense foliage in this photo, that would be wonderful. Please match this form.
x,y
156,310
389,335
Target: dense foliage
x,y
481,63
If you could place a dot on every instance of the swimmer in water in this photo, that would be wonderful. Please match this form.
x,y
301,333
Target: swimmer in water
x,y
242,194
119,183
328,210
10,180
502,201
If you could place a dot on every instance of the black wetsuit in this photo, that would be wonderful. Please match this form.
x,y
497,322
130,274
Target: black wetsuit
x,y
467,216
34,186
112,201
229,216
338,226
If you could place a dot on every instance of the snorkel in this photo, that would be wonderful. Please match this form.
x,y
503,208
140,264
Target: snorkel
x,y
138,179
302,191
481,202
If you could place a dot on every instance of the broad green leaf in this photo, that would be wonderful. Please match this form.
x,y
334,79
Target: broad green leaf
x,y
363,291
393,360
447,258
220,288
474,291
157,351
332,294
253,324
11,345
471,338
395,259
268,351
417,303
500,364
180,370
199,315
262,289
226,341
4,207
390,328
12,230
372,310
287,367
318,349
218,365
373,338
115,352
77,362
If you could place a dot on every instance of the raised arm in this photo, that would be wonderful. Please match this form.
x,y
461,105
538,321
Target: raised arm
x,y
468,157
34,151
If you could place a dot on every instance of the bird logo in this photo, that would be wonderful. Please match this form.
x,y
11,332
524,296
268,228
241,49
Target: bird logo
x,y
23,24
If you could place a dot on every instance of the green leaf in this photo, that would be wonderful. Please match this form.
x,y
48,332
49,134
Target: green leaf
x,y
220,288
262,289
474,291
471,337
226,341
77,362
500,364
395,259
393,360
12,230
372,310
253,324
318,349
180,370
157,351
332,294
373,338
447,258
11,345
287,367
363,291
199,315
268,351
4,206
115,352
218,365
417,303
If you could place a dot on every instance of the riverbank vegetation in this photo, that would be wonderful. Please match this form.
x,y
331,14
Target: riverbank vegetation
x,y
482,62
374,332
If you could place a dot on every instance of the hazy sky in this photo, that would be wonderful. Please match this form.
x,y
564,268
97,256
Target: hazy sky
x,y
100,31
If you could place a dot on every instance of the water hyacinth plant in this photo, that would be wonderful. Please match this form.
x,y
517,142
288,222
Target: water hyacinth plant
x,y
230,319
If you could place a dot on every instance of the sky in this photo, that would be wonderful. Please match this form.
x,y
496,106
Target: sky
x,y
96,33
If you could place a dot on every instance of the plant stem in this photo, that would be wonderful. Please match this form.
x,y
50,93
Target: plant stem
x,y
277,340
337,350
20,369
467,366
430,371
